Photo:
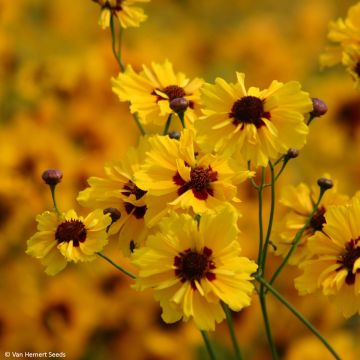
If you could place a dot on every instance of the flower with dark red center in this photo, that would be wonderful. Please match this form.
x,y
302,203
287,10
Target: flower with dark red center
x,y
249,110
318,220
200,182
193,266
71,230
348,258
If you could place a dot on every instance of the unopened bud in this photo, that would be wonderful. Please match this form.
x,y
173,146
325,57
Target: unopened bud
x,y
174,135
52,176
179,105
292,153
319,108
325,184
114,213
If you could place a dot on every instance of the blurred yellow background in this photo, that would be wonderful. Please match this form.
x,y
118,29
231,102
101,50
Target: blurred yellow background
x,y
57,110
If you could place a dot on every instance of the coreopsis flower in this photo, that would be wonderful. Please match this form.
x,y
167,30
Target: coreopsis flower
x,y
118,190
255,125
151,91
334,266
343,33
178,177
299,201
193,268
68,237
128,14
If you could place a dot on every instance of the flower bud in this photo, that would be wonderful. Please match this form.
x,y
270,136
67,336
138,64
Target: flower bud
x,y
52,176
174,135
292,153
319,108
179,105
325,184
114,213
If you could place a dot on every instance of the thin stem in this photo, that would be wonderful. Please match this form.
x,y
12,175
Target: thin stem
x,y
260,200
282,168
113,44
279,159
121,63
298,315
167,125
126,272
271,218
138,123
182,120
208,345
52,190
311,118
297,238
267,323
230,324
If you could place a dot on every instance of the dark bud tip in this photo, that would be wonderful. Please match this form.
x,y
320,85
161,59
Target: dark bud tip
x,y
292,153
114,213
325,184
52,176
179,105
174,135
319,108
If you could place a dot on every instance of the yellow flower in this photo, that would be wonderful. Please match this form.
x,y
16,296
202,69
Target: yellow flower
x,y
67,237
256,125
124,10
192,268
177,177
151,91
351,60
334,266
118,190
300,201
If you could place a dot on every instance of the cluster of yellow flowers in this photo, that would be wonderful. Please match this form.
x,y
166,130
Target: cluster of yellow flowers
x,y
174,202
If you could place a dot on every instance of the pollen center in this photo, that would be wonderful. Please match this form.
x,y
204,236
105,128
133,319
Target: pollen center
x,y
191,265
249,110
348,258
71,230
318,220
174,92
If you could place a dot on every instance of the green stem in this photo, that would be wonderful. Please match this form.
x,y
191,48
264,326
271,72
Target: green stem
x,y
167,125
52,190
282,168
121,63
182,120
311,118
297,238
138,123
260,200
267,323
208,345
230,324
271,219
298,315
126,272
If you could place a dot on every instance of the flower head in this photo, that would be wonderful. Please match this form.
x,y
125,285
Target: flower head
x,y
124,10
334,266
178,177
256,125
68,237
193,268
151,91
300,200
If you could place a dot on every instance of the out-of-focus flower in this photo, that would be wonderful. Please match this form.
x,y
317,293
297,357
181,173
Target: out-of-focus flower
x,y
151,91
128,14
177,177
300,200
120,191
192,268
68,237
256,125
351,60
335,259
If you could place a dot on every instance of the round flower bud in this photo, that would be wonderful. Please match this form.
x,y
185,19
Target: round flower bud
x,y
325,184
174,135
52,176
114,213
319,108
292,153
179,105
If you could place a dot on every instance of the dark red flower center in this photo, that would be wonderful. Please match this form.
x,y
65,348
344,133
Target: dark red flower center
x,y
71,230
318,220
193,266
116,7
131,189
249,110
348,258
357,69
200,182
